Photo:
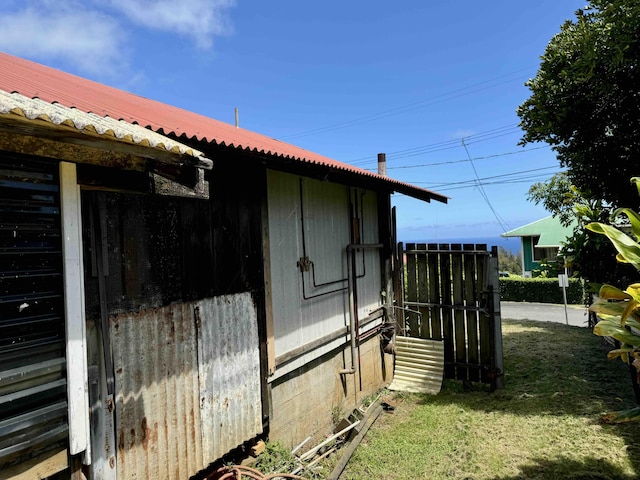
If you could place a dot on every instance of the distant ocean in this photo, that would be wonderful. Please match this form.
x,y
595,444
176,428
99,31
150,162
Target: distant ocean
x,y
511,244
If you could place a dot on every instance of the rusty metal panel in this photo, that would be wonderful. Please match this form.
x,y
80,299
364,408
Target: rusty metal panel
x,y
157,393
229,368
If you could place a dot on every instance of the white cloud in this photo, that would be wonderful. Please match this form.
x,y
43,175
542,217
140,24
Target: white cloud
x,y
97,37
198,19
64,31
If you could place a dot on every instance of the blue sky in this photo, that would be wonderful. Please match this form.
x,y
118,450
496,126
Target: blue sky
x,y
347,80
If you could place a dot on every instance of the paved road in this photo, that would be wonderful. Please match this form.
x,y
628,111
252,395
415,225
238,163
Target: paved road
x,y
545,312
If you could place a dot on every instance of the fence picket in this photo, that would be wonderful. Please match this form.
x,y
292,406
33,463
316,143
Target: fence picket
x,y
411,322
471,300
457,282
434,291
424,329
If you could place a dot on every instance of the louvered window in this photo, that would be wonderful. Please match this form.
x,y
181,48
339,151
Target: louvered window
x,y
33,405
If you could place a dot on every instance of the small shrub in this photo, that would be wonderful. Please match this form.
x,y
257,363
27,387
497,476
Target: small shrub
x,y
276,458
544,290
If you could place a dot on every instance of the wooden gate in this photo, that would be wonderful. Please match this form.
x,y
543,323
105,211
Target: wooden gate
x,y
451,293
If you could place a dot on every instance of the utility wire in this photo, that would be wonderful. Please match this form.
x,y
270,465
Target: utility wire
x,y
503,179
413,106
483,193
449,162
440,146
524,179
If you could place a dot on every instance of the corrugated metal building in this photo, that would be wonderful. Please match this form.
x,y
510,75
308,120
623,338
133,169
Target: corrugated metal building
x,y
174,287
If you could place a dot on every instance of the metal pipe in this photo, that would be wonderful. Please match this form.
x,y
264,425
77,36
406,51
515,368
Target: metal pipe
x,y
300,445
325,339
353,311
382,164
352,314
306,264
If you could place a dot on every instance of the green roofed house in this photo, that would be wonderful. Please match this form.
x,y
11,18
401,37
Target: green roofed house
x,y
541,240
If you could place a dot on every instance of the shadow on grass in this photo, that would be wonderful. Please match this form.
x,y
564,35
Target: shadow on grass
x,y
590,469
554,370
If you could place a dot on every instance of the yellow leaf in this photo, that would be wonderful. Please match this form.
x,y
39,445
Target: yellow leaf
x,y
609,292
631,305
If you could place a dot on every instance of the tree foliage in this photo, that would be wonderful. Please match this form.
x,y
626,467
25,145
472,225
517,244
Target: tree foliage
x,y
556,195
585,100
590,256
509,262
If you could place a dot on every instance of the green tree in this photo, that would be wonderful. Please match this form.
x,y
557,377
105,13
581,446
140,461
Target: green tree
x,y
556,195
509,262
590,256
585,100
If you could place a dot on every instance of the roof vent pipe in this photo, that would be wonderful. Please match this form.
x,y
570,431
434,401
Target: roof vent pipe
x,y
382,164
237,121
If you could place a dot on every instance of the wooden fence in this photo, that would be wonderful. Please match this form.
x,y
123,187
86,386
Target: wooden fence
x,y
451,293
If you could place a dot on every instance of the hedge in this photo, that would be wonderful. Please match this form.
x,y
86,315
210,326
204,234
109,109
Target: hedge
x,y
544,290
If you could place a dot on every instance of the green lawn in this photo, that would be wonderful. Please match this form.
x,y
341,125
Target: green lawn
x,y
543,424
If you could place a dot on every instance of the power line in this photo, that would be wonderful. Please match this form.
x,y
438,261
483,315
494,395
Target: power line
x,y
526,179
440,146
501,179
483,193
412,106
449,162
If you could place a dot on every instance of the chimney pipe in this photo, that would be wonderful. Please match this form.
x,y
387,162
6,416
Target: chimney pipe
x,y
237,121
382,164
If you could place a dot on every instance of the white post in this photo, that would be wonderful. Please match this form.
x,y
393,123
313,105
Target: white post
x,y
77,374
563,280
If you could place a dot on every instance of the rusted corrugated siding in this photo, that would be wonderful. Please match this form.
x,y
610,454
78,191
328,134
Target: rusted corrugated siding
x,y
157,407
187,385
228,348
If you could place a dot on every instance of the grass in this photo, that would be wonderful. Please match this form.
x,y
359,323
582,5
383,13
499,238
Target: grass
x,y
542,425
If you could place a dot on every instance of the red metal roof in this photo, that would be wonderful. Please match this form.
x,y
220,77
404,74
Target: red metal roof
x,y
38,81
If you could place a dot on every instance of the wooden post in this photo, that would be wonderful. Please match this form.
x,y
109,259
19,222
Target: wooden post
x,y
423,291
458,313
494,289
411,291
471,300
446,302
434,291
76,335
